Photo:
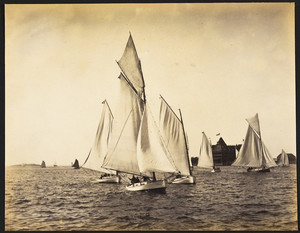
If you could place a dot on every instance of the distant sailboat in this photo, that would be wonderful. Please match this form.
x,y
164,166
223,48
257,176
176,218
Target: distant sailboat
x,y
172,129
97,153
283,159
206,156
76,164
136,146
253,153
43,165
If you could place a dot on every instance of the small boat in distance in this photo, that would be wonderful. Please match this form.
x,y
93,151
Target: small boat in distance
x,y
206,159
253,153
76,164
98,151
283,159
43,165
173,133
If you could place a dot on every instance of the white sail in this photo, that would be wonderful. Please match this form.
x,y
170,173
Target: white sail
x,y
250,152
173,135
131,66
254,124
253,152
152,153
99,149
205,155
267,159
122,155
283,159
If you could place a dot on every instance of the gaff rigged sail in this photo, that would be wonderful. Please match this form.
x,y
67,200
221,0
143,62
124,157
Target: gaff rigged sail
x,y
99,149
174,137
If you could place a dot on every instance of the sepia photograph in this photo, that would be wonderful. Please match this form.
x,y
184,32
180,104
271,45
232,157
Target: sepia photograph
x,y
150,117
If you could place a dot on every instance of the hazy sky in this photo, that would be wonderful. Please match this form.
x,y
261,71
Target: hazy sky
x,y
219,63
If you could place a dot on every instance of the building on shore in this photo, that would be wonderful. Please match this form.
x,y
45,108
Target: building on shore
x,y
223,154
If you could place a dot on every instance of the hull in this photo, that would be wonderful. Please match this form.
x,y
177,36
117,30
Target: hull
x,y
185,180
109,179
259,170
156,186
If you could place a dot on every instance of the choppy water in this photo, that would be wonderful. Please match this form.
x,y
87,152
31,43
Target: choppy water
x,y
62,198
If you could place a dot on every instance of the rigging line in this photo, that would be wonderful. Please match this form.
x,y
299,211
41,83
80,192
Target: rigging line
x,y
86,170
87,157
118,140
170,107
122,130
162,140
128,82
258,135
127,79
125,179
120,171
186,146
109,108
173,174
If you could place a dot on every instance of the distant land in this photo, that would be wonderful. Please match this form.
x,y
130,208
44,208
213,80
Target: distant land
x,y
25,165
35,165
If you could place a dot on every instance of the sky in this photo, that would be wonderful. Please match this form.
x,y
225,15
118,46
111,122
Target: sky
x,y
220,63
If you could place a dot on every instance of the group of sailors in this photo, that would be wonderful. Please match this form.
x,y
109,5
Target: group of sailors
x,y
137,180
106,175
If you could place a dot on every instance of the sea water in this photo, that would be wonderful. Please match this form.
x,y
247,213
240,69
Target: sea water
x,y
63,198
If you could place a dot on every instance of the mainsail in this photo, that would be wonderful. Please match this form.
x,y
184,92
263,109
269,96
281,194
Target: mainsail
x,y
205,154
122,155
283,159
253,152
99,148
174,137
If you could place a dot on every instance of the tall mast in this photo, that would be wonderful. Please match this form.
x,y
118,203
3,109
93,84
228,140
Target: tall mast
x,y
262,152
187,152
211,152
258,134
170,107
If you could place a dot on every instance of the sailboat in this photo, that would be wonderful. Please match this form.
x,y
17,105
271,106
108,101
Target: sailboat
x,y
96,155
283,159
136,147
253,153
173,133
76,164
206,156
43,164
